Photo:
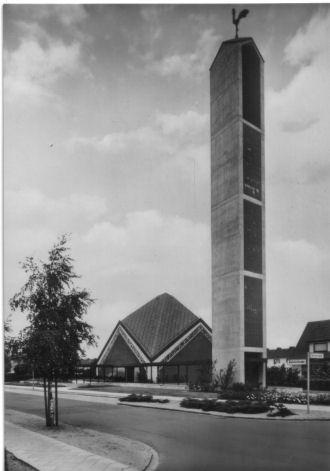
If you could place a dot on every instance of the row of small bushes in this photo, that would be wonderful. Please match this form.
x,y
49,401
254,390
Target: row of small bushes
x,y
273,396
235,407
231,407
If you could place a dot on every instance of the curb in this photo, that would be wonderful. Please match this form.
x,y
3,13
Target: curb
x,y
223,415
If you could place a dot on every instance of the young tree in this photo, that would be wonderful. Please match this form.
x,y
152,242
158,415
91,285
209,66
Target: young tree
x,y
54,338
227,375
7,343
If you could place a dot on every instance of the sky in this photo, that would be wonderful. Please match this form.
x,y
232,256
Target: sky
x,y
106,136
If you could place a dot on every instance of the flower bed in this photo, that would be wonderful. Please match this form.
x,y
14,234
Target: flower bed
x,y
274,396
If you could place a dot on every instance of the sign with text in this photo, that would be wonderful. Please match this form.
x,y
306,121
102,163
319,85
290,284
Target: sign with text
x,y
315,356
299,361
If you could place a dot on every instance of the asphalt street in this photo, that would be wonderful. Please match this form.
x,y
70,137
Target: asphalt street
x,y
192,442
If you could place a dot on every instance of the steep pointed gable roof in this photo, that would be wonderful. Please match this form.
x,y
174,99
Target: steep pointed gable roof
x,y
317,331
158,323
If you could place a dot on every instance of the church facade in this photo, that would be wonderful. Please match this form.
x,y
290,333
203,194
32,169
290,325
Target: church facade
x,y
161,342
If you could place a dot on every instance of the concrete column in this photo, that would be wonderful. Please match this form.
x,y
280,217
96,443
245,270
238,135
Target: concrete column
x,y
236,87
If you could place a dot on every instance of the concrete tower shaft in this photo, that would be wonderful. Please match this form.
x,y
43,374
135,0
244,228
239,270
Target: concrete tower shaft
x,y
238,209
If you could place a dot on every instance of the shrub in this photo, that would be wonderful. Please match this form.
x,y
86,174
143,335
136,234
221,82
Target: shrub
x,y
282,376
193,403
142,398
230,407
279,410
22,371
321,399
242,407
318,384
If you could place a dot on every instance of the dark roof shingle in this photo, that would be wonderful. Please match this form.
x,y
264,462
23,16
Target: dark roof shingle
x,y
317,331
280,352
158,323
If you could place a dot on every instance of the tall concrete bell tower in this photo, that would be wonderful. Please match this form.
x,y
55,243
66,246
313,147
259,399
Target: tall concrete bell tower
x,y
238,210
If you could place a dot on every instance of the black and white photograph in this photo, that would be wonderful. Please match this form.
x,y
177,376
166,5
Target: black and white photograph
x,y
166,236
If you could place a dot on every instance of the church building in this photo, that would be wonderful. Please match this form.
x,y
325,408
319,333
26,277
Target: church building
x,y
161,342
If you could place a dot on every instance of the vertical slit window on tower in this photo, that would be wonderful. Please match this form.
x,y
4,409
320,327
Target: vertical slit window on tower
x,y
252,162
251,85
253,312
252,237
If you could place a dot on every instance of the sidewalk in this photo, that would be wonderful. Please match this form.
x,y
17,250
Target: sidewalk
x,y
48,454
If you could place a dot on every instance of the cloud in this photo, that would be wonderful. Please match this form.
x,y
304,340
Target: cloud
x,y
176,143
297,116
145,240
310,41
32,224
191,65
67,15
317,175
151,15
115,143
305,100
300,123
32,70
168,132
31,30
297,287
32,208
188,123
146,254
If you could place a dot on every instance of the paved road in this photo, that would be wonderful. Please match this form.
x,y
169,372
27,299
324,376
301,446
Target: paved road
x,y
191,442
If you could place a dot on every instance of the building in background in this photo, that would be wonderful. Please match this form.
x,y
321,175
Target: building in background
x,y
314,339
280,357
238,210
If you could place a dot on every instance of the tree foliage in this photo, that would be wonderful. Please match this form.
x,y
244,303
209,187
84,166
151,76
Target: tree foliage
x,y
8,342
282,376
54,339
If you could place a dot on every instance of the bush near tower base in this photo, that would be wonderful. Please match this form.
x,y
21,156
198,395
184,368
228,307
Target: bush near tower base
x,y
213,380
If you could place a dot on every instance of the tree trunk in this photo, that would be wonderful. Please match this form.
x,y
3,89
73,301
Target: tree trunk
x,y
50,418
56,402
46,404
